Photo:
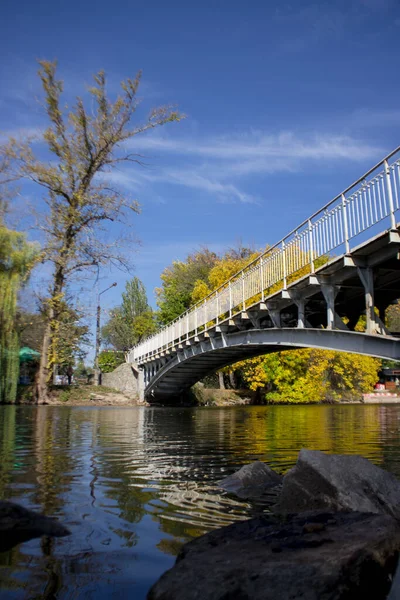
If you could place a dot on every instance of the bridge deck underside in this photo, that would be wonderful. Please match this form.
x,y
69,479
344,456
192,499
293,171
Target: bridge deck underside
x,y
185,369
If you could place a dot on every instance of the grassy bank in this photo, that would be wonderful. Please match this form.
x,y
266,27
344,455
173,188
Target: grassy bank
x,y
79,395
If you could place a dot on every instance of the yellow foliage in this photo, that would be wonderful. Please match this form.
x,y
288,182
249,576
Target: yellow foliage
x,y
200,291
310,375
225,268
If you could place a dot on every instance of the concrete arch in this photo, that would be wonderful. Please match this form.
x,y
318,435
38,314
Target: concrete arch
x,y
174,374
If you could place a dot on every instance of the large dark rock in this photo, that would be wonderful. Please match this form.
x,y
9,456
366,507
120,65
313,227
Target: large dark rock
x,y
312,556
338,482
19,524
251,481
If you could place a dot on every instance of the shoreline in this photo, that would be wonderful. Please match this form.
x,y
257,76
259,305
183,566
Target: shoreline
x,y
88,395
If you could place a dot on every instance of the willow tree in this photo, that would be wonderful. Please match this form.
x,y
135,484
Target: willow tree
x,y
17,257
84,145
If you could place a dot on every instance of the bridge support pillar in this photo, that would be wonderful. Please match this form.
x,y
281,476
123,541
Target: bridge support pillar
x,y
374,323
330,293
275,314
301,313
367,279
300,301
141,384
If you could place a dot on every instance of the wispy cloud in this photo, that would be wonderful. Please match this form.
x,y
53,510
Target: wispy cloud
x,y
281,147
191,178
185,177
219,166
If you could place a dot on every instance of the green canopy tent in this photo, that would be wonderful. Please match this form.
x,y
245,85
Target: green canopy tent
x,y
27,354
27,358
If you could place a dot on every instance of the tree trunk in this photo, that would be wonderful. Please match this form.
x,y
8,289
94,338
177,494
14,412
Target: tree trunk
x,y
42,385
232,379
43,374
221,380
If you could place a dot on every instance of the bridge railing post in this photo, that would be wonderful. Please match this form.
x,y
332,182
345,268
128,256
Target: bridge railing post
x,y
390,195
230,299
243,293
284,265
217,305
311,245
262,279
345,225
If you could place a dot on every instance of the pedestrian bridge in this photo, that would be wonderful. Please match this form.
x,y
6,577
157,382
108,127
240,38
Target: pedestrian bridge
x,y
307,291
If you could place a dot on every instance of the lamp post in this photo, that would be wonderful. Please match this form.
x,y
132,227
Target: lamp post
x,y
98,341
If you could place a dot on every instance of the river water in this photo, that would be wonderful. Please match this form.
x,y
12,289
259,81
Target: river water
x,y
134,484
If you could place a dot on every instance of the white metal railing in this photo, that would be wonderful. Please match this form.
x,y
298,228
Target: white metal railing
x,y
372,199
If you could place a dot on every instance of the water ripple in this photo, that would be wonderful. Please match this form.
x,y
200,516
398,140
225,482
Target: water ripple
x,y
134,484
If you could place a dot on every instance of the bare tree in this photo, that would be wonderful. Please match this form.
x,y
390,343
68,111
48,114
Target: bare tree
x,y
84,146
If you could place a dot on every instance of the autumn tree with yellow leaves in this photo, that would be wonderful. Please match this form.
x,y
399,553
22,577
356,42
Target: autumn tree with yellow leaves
x,y
310,375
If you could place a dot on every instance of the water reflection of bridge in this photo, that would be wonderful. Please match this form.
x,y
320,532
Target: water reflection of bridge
x,y
308,290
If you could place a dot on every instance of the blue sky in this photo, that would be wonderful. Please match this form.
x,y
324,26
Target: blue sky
x,y
286,102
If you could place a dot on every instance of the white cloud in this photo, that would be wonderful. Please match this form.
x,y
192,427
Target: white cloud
x,y
216,165
196,180
186,177
284,146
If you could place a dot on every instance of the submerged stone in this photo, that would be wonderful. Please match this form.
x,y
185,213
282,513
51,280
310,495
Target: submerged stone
x,y
251,481
19,524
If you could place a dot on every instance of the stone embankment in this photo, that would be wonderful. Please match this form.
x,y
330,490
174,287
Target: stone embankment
x,y
334,534
124,378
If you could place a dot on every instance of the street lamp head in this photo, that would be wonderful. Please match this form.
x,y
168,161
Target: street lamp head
x,y
109,288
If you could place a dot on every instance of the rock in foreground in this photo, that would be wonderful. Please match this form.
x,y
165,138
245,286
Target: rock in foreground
x,y
309,556
338,482
251,481
19,524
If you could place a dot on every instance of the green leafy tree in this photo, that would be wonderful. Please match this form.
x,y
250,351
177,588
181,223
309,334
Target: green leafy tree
x,y
393,317
84,146
110,360
70,334
30,327
81,370
132,321
17,258
178,282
